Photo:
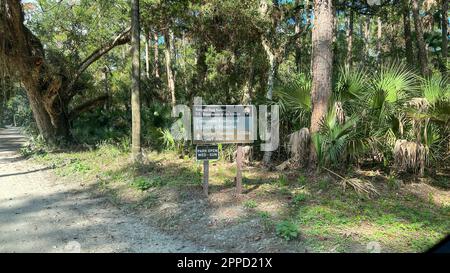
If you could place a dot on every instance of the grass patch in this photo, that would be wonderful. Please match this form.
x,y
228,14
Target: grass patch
x,y
328,218
283,181
302,180
250,204
287,230
145,183
299,198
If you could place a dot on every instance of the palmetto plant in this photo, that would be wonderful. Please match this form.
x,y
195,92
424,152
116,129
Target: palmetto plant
x,y
379,108
384,122
294,98
351,82
335,140
389,89
435,89
436,131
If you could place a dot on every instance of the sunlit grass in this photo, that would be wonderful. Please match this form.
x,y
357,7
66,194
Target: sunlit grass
x,y
328,219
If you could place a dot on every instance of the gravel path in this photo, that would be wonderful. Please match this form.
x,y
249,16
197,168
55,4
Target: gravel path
x,y
39,213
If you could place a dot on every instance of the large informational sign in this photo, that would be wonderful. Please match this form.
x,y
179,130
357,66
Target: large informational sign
x,y
209,125
224,124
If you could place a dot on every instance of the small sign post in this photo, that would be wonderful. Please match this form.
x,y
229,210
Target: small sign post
x,y
205,176
239,157
205,153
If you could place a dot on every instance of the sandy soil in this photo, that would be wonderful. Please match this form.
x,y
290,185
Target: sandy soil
x,y
41,213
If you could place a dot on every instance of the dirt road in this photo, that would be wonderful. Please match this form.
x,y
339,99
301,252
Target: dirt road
x,y
40,213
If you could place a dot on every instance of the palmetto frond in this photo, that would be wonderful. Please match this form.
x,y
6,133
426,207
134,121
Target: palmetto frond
x,y
296,93
334,138
395,81
351,83
435,88
294,99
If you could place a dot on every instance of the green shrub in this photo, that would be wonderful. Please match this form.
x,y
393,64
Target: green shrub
x,y
264,215
250,204
287,230
124,144
324,183
228,183
283,180
266,222
302,180
299,198
145,183
393,183
80,167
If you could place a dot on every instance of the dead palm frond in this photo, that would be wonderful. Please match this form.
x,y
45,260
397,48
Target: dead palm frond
x,y
358,185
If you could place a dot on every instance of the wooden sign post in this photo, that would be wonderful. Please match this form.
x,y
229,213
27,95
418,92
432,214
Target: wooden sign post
x,y
239,157
205,176
206,153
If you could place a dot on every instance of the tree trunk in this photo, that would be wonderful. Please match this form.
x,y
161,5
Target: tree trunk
x,y
298,55
169,70
106,72
271,74
350,38
298,45
268,48
147,53
366,51
201,70
270,83
50,87
322,37
173,55
444,27
379,37
423,58
6,92
247,97
135,82
183,62
50,114
155,55
407,33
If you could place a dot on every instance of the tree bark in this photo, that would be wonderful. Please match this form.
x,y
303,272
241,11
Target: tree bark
x,y
366,24
298,56
270,83
379,37
350,37
135,82
298,45
423,58
100,100
6,87
444,27
173,55
106,72
409,51
322,37
155,55
201,70
169,70
272,66
183,63
147,55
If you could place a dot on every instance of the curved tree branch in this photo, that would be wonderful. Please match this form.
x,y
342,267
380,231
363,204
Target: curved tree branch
x,y
121,39
88,106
